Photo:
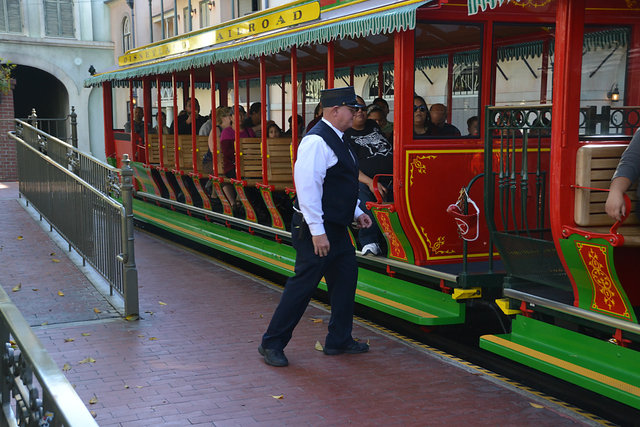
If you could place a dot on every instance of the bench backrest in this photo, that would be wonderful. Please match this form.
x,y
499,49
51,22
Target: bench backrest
x,y
595,166
185,146
279,171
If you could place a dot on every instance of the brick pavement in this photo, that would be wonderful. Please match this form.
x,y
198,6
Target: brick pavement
x,y
192,359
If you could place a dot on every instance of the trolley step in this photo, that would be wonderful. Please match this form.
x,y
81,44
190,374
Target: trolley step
x,y
399,298
600,366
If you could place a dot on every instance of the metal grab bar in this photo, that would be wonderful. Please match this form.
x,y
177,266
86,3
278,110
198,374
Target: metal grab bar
x,y
59,402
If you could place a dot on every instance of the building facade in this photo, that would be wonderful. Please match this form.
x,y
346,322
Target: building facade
x,y
54,43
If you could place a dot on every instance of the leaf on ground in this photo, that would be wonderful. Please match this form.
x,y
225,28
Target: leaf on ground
x,y
97,310
153,339
261,316
17,287
319,346
535,405
66,367
93,414
52,254
35,289
132,317
44,323
87,360
13,344
162,303
149,313
69,340
126,386
55,260
279,397
19,238
314,320
138,386
93,400
60,293
140,336
86,334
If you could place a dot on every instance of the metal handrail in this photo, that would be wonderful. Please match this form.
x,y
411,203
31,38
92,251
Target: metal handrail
x,y
59,403
84,165
94,196
574,311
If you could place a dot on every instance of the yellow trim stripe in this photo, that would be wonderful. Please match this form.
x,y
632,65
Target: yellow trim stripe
x,y
395,304
363,294
568,366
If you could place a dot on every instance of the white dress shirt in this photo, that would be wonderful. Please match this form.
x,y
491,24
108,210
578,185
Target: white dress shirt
x,y
314,158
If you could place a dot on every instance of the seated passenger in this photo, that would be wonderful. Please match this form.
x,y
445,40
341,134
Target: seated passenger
x,y
273,130
375,113
254,119
440,127
317,116
473,126
375,156
421,118
138,122
300,127
627,173
206,127
224,118
162,120
185,118
385,126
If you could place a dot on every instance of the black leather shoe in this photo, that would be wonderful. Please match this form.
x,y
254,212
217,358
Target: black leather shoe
x,y
273,357
355,347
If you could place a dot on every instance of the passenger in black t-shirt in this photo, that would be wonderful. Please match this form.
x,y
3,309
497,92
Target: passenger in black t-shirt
x,y
438,113
375,156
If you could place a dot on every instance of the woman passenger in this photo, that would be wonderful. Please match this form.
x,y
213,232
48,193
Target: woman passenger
x,y
421,119
227,138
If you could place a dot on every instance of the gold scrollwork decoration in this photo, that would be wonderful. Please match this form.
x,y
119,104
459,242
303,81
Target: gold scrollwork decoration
x,y
418,165
601,279
532,3
435,246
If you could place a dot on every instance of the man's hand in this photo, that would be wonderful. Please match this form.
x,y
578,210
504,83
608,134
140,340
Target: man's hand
x,y
364,221
615,205
615,200
320,244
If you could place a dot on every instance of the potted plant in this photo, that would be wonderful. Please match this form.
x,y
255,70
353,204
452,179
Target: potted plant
x,y
5,76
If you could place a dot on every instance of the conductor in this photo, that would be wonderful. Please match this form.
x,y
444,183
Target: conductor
x,y
326,177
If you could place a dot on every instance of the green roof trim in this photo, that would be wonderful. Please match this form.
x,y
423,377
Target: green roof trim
x,y
394,19
436,61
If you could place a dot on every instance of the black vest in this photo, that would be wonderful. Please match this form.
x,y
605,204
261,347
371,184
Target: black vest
x,y
340,188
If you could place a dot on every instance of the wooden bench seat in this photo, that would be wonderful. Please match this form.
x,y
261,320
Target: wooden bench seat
x,y
595,166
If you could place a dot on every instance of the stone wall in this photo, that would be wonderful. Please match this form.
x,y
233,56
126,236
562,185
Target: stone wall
x,y
8,160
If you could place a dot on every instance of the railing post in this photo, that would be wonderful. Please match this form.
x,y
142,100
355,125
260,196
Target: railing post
x,y
130,272
74,127
33,118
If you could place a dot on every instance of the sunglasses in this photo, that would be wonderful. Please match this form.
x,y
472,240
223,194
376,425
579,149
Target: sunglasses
x,y
356,109
419,107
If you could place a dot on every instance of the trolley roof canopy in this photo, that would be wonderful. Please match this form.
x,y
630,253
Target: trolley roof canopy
x,y
375,19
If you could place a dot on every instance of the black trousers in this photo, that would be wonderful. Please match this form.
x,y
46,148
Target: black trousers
x,y
340,271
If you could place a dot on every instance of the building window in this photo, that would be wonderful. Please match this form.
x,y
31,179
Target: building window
x,y
245,7
205,14
58,18
10,19
185,20
126,34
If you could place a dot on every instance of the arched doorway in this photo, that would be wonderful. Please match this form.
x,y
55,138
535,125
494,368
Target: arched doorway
x,y
38,89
